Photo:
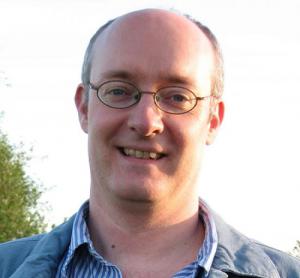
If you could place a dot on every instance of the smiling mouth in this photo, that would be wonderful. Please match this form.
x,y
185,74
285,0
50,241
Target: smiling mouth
x,y
141,154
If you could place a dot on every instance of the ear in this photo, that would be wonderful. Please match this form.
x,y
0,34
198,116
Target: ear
x,y
81,102
215,121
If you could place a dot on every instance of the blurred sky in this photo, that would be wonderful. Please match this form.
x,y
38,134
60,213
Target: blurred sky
x,y
251,173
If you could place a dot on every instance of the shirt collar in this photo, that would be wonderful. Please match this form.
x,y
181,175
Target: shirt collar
x,y
80,236
208,249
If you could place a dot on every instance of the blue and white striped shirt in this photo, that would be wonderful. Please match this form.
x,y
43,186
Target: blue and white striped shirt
x,y
81,260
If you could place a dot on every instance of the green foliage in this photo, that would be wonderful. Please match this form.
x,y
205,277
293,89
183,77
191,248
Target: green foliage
x,y
296,250
19,195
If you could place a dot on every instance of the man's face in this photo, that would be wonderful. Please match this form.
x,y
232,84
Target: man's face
x,y
151,49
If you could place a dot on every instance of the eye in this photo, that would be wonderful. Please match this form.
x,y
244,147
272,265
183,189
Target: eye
x,y
115,92
120,93
178,97
175,99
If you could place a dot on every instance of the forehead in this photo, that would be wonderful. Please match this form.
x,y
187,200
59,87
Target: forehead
x,y
152,42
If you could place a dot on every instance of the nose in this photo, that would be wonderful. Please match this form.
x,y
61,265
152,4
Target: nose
x,y
146,118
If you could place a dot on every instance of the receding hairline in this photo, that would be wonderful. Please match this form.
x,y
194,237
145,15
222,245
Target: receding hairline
x,y
218,73
135,15
153,14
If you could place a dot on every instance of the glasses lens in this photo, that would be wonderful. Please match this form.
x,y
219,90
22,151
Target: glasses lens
x,y
175,100
118,94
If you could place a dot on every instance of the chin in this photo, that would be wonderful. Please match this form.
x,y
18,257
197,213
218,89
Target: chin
x,y
138,193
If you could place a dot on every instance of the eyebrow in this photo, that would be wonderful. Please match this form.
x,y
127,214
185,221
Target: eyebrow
x,y
166,78
178,80
122,74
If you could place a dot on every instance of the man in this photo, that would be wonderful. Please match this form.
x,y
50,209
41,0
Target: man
x,y
150,100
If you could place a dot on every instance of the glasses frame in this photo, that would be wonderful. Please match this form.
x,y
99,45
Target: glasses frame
x,y
153,93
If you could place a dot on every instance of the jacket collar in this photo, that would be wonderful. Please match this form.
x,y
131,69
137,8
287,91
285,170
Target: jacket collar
x,y
235,254
239,255
46,255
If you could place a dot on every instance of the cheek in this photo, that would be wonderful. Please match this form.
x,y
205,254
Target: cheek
x,y
191,143
195,144
104,122
191,131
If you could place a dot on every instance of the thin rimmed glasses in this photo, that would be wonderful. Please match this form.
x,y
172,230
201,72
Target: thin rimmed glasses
x,y
121,94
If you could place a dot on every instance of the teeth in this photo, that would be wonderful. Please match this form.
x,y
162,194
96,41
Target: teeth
x,y
153,155
141,154
131,152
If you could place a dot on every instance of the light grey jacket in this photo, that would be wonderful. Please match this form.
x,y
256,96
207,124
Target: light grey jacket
x,y
237,256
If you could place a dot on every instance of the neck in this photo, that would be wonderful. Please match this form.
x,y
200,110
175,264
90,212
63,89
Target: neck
x,y
141,234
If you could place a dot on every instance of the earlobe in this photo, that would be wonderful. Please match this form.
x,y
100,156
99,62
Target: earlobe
x,y
81,102
215,121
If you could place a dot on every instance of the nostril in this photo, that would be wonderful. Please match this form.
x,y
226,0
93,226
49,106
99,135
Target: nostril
x,y
145,118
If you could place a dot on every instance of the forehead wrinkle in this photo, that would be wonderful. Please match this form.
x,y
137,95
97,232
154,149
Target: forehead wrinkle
x,y
164,78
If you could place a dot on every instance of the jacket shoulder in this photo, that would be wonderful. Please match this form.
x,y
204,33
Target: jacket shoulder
x,y
287,265
36,256
241,256
13,253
